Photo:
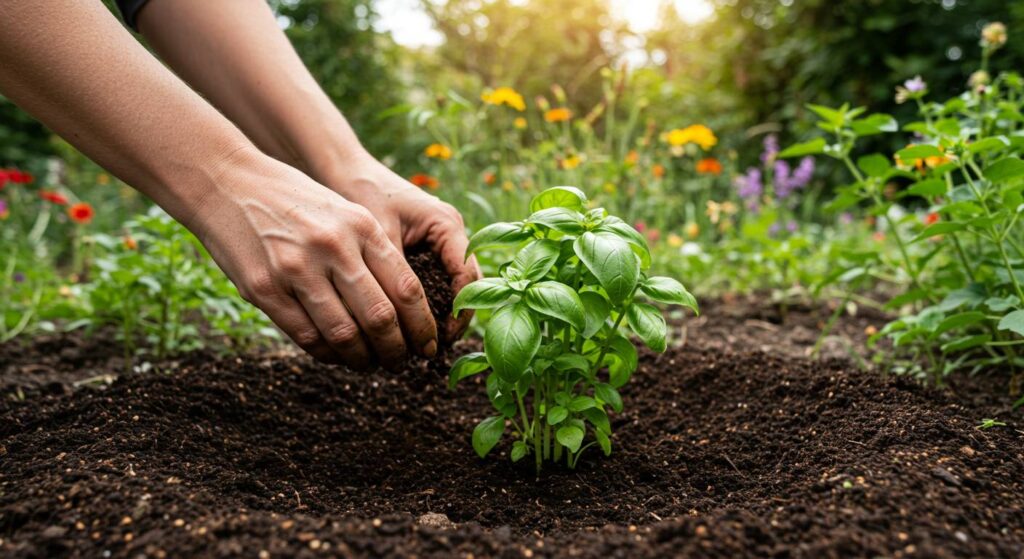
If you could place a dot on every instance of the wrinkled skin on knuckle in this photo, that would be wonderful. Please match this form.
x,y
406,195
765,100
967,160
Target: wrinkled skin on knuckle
x,y
409,290
343,335
306,338
259,287
381,317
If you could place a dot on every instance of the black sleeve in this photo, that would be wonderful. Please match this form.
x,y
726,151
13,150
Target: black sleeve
x,y
130,11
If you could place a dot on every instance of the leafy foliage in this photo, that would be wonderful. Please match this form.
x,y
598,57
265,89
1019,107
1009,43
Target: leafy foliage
x,y
553,346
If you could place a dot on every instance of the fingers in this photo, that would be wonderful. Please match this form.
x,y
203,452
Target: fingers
x,y
451,244
403,288
374,314
337,327
289,316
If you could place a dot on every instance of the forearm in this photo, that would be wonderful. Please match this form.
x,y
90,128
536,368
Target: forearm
x,y
72,66
235,54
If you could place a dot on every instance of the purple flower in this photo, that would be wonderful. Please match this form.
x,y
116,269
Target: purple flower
x,y
18,277
771,148
915,85
791,226
846,218
774,229
749,186
786,182
3,208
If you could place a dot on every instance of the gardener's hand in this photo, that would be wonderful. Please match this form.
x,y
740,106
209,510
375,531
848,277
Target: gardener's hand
x,y
410,217
320,266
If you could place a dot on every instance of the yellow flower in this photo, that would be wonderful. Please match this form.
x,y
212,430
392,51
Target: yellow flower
x,y
695,134
508,186
674,241
692,230
570,162
504,96
560,114
714,211
519,123
103,179
609,188
993,35
438,151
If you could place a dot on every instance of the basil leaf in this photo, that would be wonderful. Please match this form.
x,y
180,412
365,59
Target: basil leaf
x,y
511,339
647,322
536,259
562,220
599,419
571,437
487,434
1013,322
627,233
611,261
596,310
557,415
559,197
497,234
581,403
486,293
557,300
467,366
519,449
668,291
572,361
609,395
604,442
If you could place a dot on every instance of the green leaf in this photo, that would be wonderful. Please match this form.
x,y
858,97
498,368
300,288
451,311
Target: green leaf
x,y
599,419
668,291
559,197
1013,322
877,123
912,153
557,415
571,437
604,442
1005,169
960,320
1002,304
487,434
611,261
940,228
812,147
623,350
511,339
467,366
609,395
519,450
572,362
596,310
486,293
646,321
562,220
497,234
581,403
875,165
928,188
972,296
557,300
631,236
994,143
535,260
967,342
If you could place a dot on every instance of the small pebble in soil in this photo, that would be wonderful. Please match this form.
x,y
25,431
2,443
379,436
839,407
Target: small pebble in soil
x,y
435,520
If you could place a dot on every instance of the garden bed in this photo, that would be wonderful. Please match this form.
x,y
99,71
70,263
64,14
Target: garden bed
x,y
719,451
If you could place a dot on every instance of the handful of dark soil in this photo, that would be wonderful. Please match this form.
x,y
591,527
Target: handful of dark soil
x,y
437,284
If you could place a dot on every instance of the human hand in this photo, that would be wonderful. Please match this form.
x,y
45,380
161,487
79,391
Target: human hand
x,y
320,266
409,217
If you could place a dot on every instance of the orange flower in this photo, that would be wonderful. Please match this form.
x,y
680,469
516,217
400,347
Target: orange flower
x,y
931,218
658,170
709,166
53,197
570,162
632,157
519,123
438,151
561,114
421,180
489,178
692,230
129,243
878,236
81,213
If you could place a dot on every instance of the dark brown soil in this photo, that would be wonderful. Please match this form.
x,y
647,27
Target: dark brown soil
x,y
723,450
437,285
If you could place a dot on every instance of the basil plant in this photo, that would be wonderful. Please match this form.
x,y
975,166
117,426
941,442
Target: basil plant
x,y
556,345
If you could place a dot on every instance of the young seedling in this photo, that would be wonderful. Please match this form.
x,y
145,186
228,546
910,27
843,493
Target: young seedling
x,y
554,343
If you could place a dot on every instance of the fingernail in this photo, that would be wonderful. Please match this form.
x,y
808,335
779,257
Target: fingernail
x,y
430,349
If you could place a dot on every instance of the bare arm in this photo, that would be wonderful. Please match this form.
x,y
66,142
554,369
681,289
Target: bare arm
x,y
235,54
290,245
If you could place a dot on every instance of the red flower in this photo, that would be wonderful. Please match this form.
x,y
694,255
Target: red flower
x,y
19,177
81,213
709,166
4,177
931,218
54,197
424,181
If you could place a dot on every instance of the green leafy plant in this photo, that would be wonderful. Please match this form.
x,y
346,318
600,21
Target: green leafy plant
x,y
553,345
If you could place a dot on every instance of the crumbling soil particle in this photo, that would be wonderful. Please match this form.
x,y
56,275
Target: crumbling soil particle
x,y
437,284
718,454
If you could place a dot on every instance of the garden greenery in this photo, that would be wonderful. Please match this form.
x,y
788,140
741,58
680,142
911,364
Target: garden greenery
x,y
553,344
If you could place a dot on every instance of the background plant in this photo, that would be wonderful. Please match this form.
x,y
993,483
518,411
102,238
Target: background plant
x,y
553,343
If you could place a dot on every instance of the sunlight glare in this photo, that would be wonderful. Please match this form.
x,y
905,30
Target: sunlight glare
x,y
643,15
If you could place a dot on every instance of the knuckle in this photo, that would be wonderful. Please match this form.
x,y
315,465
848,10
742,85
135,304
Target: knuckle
x,y
306,337
364,223
409,290
259,288
381,317
344,334
291,265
